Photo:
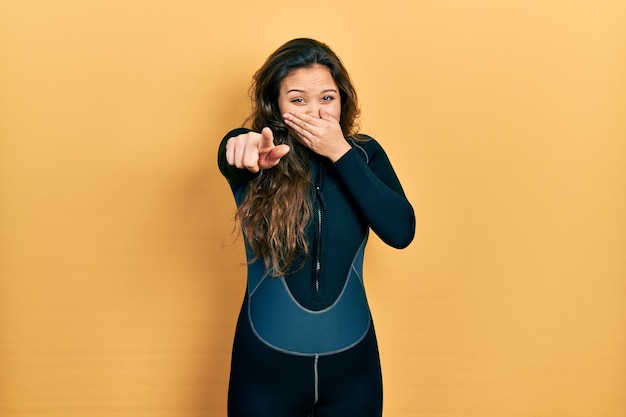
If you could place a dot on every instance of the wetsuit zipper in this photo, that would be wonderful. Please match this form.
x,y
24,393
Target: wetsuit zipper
x,y
318,250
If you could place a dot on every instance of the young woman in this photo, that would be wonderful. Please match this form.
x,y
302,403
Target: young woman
x,y
308,189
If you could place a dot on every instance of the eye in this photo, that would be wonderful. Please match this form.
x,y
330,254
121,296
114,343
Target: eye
x,y
328,98
297,100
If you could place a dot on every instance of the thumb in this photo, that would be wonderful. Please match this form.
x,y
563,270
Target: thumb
x,y
277,153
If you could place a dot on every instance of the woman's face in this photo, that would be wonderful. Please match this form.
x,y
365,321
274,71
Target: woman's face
x,y
308,90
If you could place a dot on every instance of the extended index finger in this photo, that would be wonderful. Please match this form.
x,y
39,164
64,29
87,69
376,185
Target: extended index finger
x,y
267,139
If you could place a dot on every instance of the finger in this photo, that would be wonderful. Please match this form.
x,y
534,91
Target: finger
x,y
250,156
267,139
239,145
235,149
303,120
324,115
303,136
302,130
230,151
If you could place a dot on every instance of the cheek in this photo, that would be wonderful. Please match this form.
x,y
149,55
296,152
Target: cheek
x,y
336,110
285,105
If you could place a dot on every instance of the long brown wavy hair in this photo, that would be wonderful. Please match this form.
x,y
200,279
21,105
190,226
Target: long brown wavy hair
x,y
278,203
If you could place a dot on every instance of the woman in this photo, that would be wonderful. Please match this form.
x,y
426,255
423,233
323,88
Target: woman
x,y
308,188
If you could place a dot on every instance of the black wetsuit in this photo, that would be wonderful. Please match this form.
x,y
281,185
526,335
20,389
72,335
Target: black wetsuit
x,y
305,344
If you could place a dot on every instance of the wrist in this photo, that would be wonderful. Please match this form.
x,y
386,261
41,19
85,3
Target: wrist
x,y
340,153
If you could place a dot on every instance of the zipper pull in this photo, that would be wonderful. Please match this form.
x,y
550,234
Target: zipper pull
x,y
320,197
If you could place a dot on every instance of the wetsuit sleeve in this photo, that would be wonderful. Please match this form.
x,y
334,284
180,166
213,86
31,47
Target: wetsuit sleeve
x,y
371,181
234,175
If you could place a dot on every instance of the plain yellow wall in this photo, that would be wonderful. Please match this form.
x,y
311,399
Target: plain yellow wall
x,y
504,119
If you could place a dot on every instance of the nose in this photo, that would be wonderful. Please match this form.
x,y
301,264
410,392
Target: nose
x,y
313,110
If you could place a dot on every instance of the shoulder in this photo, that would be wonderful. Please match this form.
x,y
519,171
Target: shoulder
x,y
236,132
231,134
367,146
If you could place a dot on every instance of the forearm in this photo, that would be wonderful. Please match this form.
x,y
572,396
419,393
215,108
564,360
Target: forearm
x,y
379,197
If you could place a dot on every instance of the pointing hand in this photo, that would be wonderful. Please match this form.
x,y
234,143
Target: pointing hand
x,y
255,151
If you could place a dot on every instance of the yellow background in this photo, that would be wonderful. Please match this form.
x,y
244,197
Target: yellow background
x,y
120,283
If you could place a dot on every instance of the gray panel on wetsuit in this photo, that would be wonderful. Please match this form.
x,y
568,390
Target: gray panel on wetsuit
x,y
282,323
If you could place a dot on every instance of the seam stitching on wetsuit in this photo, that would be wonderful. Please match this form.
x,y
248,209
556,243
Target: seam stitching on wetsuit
x,y
317,380
357,273
257,286
357,146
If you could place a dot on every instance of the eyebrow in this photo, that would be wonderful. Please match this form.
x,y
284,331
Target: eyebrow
x,y
297,90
